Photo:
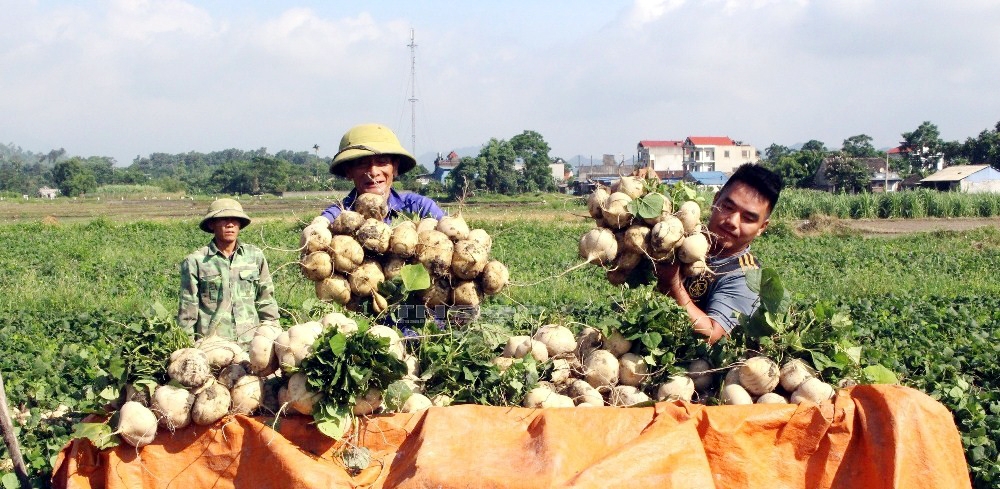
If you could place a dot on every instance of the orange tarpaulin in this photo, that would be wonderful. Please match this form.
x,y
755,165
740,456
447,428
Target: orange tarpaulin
x,y
869,437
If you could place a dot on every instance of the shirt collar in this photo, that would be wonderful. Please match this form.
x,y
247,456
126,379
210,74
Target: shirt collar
x,y
214,249
719,261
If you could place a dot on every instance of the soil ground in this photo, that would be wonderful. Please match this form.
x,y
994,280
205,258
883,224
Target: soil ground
x,y
882,227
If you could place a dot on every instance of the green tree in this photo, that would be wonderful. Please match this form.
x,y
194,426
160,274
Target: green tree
x,y
491,171
797,169
923,147
129,176
408,180
776,151
531,147
263,174
13,177
814,145
54,155
168,184
847,174
498,157
984,148
73,178
468,176
232,178
271,174
953,150
859,146
102,167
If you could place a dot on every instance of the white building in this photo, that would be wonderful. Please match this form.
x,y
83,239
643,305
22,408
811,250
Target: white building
x,y
558,171
716,153
661,155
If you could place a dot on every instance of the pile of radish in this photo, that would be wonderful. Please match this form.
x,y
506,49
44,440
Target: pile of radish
x,y
594,369
207,382
217,378
587,369
350,257
759,380
636,224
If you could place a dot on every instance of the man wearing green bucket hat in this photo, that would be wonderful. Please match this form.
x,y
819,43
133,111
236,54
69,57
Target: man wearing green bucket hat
x,y
370,155
226,287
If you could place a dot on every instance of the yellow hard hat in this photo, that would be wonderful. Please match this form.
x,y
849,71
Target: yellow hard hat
x,y
224,208
370,139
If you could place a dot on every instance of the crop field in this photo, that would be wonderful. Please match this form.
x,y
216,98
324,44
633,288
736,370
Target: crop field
x,y
75,276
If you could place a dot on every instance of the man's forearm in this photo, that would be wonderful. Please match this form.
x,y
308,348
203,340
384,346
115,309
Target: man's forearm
x,y
701,322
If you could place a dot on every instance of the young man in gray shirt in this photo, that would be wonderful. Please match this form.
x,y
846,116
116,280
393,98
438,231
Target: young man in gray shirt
x,y
741,211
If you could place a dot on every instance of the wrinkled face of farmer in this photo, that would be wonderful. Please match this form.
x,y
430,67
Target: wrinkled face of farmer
x,y
373,174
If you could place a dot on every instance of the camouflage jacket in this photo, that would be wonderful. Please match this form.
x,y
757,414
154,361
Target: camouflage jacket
x,y
230,296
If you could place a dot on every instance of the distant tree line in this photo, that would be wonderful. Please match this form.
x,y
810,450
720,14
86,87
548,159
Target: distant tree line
x,y
920,150
495,169
231,171
235,171
520,164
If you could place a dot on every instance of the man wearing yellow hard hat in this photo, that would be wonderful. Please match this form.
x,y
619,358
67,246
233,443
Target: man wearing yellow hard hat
x,y
370,155
226,287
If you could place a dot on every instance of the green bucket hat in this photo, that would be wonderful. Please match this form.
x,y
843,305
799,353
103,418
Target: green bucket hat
x,y
370,139
224,208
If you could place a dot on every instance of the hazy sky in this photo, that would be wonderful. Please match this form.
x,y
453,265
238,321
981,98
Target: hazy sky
x,y
123,78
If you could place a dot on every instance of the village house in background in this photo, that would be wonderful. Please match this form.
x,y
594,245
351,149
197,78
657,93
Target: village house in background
x,y
443,166
964,178
704,161
661,155
716,153
879,179
588,176
957,178
48,193
708,180
558,168
696,154
707,162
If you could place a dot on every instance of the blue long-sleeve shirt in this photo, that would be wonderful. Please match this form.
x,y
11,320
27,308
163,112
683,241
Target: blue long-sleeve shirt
x,y
398,202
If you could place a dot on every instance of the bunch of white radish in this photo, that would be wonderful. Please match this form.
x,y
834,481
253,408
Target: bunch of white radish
x,y
207,382
458,259
760,380
587,369
217,377
379,352
594,369
350,257
637,224
287,351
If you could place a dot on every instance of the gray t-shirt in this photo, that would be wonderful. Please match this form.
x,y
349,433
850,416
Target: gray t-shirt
x,y
724,291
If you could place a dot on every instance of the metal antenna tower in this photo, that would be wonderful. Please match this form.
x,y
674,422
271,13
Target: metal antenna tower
x,y
413,94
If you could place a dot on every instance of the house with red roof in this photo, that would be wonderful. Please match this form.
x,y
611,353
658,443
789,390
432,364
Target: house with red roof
x,y
443,166
716,153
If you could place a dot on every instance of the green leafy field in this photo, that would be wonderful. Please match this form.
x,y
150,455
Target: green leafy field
x,y
926,304
804,204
